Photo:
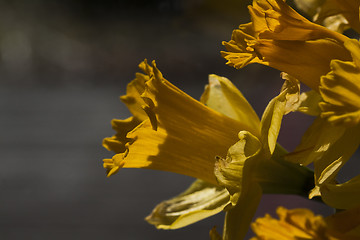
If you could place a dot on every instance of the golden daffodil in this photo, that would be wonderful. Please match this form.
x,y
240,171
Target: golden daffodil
x,y
176,127
185,136
281,38
171,131
304,224
247,170
326,61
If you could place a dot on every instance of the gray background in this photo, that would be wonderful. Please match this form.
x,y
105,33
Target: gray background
x,y
63,65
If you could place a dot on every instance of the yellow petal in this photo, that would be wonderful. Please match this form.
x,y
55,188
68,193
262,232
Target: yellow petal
x,y
181,134
309,103
340,89
274,112
199,201
222,96
318,138
336,155
306,102
329,147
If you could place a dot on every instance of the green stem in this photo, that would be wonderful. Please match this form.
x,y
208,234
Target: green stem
x,y
278,176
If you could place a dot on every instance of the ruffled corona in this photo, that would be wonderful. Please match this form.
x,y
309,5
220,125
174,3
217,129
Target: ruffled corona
x,y
179,134
281,38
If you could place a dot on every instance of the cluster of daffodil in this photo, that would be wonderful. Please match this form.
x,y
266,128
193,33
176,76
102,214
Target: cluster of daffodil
x,y
233,155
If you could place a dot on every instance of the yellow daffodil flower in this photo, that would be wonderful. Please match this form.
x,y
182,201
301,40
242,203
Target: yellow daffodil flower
x,y
182,135
326,61
171,131
281,38
304,224
190,142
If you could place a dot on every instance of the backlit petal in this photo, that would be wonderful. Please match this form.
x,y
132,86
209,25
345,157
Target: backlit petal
x,y
222,96
199,201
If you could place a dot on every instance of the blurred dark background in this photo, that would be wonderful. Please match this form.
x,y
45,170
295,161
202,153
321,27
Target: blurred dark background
x,y
63,65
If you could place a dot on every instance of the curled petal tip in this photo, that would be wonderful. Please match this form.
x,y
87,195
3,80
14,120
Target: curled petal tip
x,y
113,171
112,166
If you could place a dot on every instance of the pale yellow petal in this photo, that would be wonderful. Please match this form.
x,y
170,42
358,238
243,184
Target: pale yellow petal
x,y
199,201
318,138
309,103
236,171
222,96
336,155
274,112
